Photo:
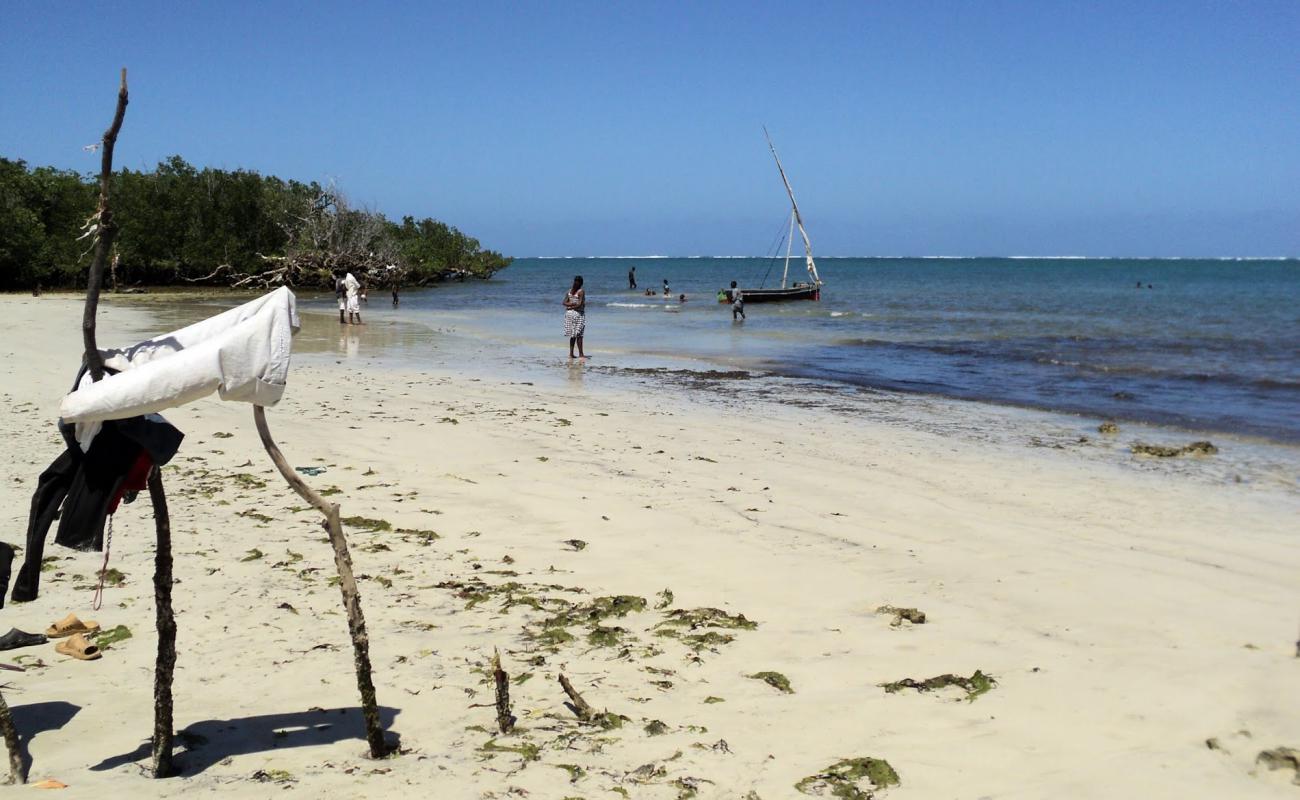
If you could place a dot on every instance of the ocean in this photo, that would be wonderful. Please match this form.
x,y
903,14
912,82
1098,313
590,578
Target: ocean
x,y
1207,345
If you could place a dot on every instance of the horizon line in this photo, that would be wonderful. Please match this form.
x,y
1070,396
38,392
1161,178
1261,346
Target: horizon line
x,y
923,258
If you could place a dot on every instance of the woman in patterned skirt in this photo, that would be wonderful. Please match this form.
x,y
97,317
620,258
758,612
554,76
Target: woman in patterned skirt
x,y
575,316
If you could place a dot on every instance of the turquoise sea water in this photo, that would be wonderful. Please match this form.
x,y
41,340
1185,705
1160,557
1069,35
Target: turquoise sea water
x,y
1212,345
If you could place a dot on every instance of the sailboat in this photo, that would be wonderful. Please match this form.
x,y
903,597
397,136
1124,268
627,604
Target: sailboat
x,y
800,290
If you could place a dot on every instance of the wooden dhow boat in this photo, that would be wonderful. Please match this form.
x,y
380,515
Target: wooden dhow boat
x,y
800,290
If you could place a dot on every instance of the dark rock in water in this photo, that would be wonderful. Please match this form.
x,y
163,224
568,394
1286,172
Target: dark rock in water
x,y
1124,395
1164,451
1108,427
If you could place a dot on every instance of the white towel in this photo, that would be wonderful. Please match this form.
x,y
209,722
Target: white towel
x,y
243,354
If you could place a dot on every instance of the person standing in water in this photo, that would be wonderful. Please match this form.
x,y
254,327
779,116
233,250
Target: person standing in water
x,y
631,278
340,295
737,302
667,292
575,316
353,287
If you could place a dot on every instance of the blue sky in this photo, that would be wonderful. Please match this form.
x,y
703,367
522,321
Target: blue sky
x,y
908,128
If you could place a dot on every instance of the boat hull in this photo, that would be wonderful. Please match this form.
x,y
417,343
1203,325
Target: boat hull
x,y
805,292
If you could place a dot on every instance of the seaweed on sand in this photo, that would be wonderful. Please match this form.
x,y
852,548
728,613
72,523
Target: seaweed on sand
x,y
912,615
1163,451
105,640
367,524
774,679
976,685
705,618
850,779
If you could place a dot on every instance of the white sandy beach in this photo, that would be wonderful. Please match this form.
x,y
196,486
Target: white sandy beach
x,y
1127,616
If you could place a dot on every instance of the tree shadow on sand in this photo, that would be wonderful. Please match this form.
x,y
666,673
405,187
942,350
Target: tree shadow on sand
x,y
36,718
212,740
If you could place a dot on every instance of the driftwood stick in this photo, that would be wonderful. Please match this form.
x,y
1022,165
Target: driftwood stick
x,y
347,585
104,235
17,771
505,720
576,704
166,624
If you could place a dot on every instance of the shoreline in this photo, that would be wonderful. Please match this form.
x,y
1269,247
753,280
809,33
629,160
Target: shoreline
x,y
1094,595
1163,424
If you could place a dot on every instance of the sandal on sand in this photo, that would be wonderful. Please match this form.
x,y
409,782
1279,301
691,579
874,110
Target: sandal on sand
x,y
70,625
16,638
78,647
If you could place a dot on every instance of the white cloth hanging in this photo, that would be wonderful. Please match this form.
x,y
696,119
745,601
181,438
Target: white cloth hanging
x,y
242,354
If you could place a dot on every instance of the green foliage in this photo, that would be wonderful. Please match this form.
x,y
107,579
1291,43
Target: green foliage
x,y
177,222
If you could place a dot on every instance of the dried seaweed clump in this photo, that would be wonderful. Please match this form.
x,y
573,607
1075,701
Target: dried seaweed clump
x,y
1162,451
774,679
701,628
912,615
976,685
1281,758
851,779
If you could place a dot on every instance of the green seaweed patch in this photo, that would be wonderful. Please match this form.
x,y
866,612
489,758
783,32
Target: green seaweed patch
x,y
253,555
912,615
711,699
597,611
851,779
553,637
608,720
576,772
367,524
332,490
527,750
708,640
602,636
656,727
424,538
256,515
665,599
706,618
974,686
274,776
106,639
774,679
113,577
246,481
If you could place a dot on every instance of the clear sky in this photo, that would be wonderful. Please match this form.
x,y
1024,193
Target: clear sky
x,y
565,128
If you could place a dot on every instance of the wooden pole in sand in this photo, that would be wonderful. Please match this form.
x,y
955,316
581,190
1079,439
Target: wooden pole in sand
x,y
165,621
105,232
347,585
17,772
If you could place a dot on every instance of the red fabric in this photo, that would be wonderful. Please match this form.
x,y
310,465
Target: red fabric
x,y
135,480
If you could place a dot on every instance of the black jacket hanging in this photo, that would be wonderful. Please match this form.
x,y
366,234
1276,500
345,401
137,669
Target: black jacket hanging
x,y
85,485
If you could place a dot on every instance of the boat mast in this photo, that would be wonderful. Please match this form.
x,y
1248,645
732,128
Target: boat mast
x,y
789,242
807,245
